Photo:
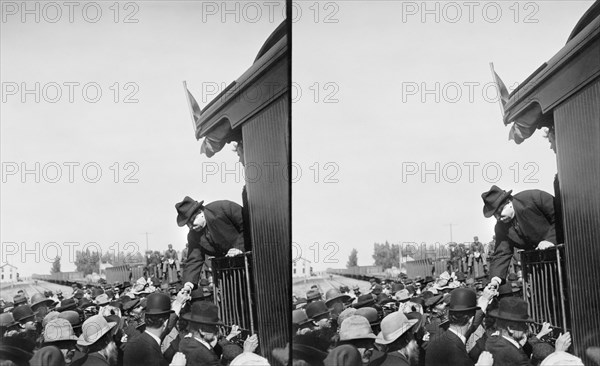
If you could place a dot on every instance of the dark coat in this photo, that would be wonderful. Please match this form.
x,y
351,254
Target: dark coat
x,y
198,354
224,230
143,351
505,353
447,349
534,222
95,359
395,359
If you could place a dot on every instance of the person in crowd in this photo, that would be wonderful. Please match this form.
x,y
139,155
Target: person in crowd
x,y
215,229
97,340
144,350
397,340
525,220
477,255
171,260
59,344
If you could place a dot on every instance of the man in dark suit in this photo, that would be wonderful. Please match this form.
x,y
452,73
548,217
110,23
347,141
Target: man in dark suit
x,y
144,350
202,346
449,347
216,229
525,221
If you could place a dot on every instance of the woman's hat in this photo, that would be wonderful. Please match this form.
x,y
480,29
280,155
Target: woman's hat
x,y
93,329
493,199
59,330
203,312
393,327
511,308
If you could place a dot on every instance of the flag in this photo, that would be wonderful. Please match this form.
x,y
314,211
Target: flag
x,y
195,110
502,90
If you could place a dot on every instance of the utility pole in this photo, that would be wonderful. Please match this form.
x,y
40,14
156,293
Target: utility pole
x,y
451,224
147,233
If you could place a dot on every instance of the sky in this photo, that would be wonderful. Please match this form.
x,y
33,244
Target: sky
x,y
131,150
405,86
382,92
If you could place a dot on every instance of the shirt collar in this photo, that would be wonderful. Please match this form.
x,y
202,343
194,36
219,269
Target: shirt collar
x,y
462,337
515,343
153,336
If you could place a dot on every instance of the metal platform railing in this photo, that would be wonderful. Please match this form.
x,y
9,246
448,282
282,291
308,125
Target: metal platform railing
x,y
544,286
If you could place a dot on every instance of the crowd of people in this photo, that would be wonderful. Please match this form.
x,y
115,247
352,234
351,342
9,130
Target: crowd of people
x,y
124,324
450,320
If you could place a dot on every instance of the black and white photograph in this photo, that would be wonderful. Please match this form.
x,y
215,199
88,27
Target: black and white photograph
x,y
449,158
303,183
145,197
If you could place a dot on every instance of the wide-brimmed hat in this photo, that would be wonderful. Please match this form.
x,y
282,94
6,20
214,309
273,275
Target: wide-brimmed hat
x,y
299,317
67,304
364,300
383,299
356,327
85,303
93,329
316,309
40,299
200,293
306,348
493,199
345,314
59,330
511,308
402,295
334,294
397,287
433,300
16,349
203,312
158,304
393,327
186,209
102,300
51,315
369,313
23,313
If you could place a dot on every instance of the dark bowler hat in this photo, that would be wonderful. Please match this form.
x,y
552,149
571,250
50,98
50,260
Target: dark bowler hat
x,y
186,209
493,199
364,300
23,313
513,309
67,304
158,303
315,309
463,299
203,312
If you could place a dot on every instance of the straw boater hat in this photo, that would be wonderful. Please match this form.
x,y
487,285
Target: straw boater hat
x,y
393,327
493,199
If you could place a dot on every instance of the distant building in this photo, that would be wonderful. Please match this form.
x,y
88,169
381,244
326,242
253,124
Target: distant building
x,y
301,268
8,273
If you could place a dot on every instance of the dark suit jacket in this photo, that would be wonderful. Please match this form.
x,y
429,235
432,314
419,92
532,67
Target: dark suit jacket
x,y
447,349
395,359
198,354
534,222
143,350
505,353
224,230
